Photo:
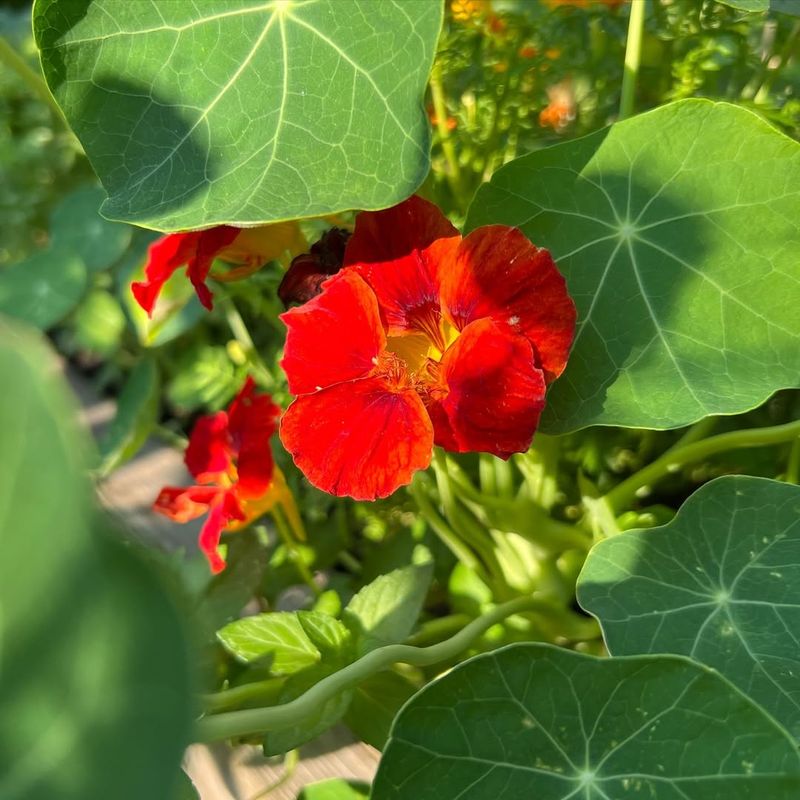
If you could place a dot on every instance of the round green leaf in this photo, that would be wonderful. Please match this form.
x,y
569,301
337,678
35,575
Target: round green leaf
x,y
195,114
720,583
677,232
43,289
99,323
534,721
94,698
77,226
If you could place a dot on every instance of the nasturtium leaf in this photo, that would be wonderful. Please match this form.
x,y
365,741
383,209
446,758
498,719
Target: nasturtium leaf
x,y
137,412
186,789
791,7
386,610
76,226
203,377
94,695
194,114
677,231
276,637
720,583
335,789
43,289
533,720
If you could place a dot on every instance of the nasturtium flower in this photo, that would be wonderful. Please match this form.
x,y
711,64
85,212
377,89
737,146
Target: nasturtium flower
x,y
237,481
307,272
423,337
248,249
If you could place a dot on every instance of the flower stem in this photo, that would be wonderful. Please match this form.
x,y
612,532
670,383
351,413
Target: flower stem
x,y
623,495
256,720
295,555
440,109
242,336
633,54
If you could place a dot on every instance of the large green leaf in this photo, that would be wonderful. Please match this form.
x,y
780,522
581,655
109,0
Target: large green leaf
x,y
94,699
677,232
720,583
782,6
243,111
534,721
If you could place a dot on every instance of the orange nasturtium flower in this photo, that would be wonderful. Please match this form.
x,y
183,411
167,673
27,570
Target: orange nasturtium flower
x,y
423,337
237,481
247,248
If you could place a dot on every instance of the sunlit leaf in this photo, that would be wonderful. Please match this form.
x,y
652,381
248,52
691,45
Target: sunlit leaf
x,y
720,583
201,113
540,722
677,231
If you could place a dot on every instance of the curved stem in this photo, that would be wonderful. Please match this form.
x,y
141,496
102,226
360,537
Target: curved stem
x,y
623,495
440,109
633,55
256,720
242,336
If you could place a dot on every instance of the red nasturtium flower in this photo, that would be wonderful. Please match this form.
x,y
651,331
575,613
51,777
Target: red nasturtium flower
x,y
237,481
247,248
423,337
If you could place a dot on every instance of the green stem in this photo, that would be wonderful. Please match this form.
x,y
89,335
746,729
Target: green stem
x,y
249,721
633,55
242,336
436,629
440,109
171,437
793,465
15,62
295,555
759,91
443,530
624,494
263,691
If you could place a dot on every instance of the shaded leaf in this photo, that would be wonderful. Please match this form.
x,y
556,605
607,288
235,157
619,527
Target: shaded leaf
x,y
76,226
532,720
677,233
720,583
99,323
197,114
86,711
43,289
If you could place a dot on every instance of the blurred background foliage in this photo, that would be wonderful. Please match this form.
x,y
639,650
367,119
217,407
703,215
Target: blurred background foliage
x,y
511,76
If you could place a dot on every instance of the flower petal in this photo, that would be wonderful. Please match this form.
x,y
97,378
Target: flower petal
x,y
498,273
495,393
209,452
196,249
397,252
304,278
221,513
252,419
362,439
185,503
333,338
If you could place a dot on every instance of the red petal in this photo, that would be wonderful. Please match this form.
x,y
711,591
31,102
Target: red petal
x,y
362,439
496,393
333,338
209,452
184,504
397,252
221,513
252,419
498,273
196,249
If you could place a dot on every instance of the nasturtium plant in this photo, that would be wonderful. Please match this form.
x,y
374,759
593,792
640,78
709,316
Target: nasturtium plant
x,y
684,303
200,114
534,721
719,583
473,327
